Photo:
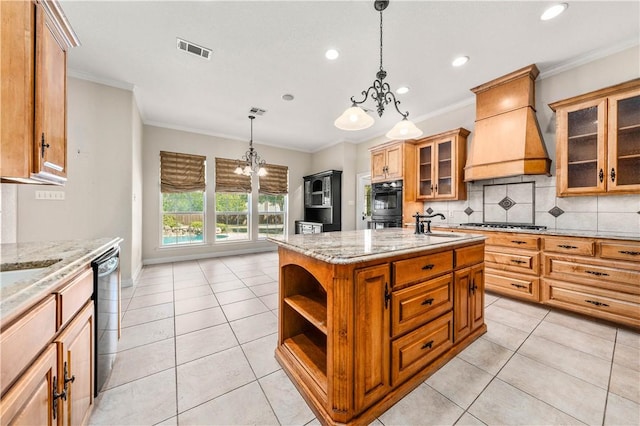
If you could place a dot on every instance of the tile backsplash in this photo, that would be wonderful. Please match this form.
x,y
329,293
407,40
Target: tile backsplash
x,y
605,213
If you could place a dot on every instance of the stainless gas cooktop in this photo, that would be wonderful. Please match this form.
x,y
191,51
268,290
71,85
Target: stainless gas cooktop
x,y
505,226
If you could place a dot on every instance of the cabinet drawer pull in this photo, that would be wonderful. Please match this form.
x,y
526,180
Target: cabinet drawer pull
x,y
43,145
68,379
518,285
594,302
428,267
632,253
613,175
597,274
427,345
601,175
427,302
519,262
518,242
565,246
55,395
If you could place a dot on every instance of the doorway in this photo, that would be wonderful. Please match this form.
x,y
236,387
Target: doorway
x,y
363,204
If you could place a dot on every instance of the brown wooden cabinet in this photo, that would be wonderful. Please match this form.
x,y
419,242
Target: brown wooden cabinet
x,y
372,356
440,166
34,144
357,337
387,162
47,358
469,299
598,141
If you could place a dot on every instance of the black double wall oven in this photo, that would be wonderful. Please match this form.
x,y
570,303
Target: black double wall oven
x,y
386,204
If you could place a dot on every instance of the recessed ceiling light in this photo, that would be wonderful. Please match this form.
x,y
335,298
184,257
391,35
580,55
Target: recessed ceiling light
x,y
553,11
402,90
460,61
287,97
332,54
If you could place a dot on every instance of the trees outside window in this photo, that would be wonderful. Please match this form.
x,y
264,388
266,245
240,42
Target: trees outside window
x,y
271,215
232,216
183,216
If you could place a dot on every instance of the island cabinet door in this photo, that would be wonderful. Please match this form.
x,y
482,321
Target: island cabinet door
x,y
468,301
372,335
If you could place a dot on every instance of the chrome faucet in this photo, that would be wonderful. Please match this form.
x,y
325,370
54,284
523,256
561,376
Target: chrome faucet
x,y
420,223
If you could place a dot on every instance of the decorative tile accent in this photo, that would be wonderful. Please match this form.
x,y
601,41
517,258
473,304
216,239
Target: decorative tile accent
x,y
556,211
429,210
468,211
506,203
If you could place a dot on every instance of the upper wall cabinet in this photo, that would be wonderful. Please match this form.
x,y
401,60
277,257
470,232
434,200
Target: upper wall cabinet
x,y
36,36
387,162
440,165
598,141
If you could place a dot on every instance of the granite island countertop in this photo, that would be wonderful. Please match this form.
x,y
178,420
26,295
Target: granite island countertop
x,y
344,247
59,259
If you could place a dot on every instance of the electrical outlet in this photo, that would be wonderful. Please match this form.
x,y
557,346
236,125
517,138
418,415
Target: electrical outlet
x,y
50,195
450,215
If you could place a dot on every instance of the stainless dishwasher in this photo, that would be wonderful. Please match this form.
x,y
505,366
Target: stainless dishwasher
x,y
106,298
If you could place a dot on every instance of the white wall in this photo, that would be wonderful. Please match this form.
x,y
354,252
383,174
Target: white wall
x,y
136,190
591,213
158,139
99,189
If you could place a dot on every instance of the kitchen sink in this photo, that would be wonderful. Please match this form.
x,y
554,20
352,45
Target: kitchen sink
x,y
10,277
442,235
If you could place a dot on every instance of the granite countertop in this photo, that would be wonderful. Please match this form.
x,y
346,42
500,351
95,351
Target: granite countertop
x,y
59,259
617,235
360,246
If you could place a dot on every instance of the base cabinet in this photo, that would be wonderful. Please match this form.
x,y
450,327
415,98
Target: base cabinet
x,y
469,301
31,400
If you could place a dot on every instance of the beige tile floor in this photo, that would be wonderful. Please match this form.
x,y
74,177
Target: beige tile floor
x,y
198,339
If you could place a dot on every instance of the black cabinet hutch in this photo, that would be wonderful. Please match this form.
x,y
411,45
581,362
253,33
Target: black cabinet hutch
x,y
322,196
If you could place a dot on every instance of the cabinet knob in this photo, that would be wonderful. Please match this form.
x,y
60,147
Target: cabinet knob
x,y
387,295
601,175
427,345
613,175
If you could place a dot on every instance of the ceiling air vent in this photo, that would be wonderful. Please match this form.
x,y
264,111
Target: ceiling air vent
x,y
257,111
194,49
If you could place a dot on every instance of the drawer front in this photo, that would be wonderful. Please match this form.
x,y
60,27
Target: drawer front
x,y
414,351
468,256
621,251
23,340
421,268
73,296
594,272
521,286
614,306
524,262
418,304
514,241
582,247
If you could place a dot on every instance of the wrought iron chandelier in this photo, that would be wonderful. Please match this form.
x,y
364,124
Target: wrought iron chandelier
x,y
251,161
355,118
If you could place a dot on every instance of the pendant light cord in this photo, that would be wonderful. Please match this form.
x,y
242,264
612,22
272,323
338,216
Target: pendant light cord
x,y
381,40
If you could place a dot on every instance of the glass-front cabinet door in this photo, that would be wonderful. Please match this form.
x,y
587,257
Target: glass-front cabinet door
x,y
623,171
425,171
444,170
582,154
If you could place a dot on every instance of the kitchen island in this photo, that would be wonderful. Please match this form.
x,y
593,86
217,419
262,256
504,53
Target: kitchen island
x,y
366,316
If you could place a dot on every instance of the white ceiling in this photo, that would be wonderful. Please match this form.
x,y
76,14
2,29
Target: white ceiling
x,y
264,49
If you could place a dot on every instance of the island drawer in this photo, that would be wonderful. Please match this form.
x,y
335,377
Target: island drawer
x,y
620,251
420,303
582,247
421,268
519,285
515,261
412,352
514,241
73,296
21,342
467,256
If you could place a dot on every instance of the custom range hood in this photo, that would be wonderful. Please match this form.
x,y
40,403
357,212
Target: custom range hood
x,y
507,140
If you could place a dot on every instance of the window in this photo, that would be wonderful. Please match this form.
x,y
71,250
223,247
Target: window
x,y
232,216
272,201
182,197
271,215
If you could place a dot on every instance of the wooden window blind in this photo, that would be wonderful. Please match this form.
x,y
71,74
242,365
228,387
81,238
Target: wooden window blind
x,y
276,182
181,172
227,180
